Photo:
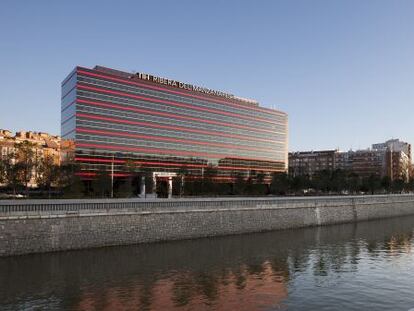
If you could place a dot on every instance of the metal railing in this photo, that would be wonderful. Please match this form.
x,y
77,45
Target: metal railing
x,y
8,207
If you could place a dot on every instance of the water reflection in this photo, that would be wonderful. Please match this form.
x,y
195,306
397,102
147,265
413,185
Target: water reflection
x,y
339,267
226,290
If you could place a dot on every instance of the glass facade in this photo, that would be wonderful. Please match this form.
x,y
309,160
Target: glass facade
x,y
114,118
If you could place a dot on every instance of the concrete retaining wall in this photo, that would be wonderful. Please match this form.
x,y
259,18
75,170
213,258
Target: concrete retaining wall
x,y
55,225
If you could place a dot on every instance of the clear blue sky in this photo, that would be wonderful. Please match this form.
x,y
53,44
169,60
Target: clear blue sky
x,y
342,70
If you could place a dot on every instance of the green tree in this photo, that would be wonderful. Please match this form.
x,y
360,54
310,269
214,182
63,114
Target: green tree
x,y
321,180
26,162
410,185
47,173
102,184
371,183
126,187
386,183
354,182
208,185
68,182
260,177
339,181
398,185
239,184
249,188
280,184
300,183
9,171
75,188
257,183
180,181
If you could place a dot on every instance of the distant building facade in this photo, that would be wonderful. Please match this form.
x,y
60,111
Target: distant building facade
x,y
343,160
399,165
310,162
367,162
398,158
44,145
391,158
394,145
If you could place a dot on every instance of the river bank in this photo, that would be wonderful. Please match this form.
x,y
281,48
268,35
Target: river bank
x,y
33,226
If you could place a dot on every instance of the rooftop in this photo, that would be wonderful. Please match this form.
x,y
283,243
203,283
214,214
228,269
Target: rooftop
x,y
189,87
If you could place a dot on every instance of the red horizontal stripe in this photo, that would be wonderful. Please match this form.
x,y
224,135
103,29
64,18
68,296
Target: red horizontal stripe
x,y
169,152
171,115
168,139
230,179
115,161
94,174
98,160
213,178
85,174
173,103
168,90
175,128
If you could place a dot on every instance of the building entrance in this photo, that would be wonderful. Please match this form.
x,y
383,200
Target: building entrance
x,y
162,187
163,184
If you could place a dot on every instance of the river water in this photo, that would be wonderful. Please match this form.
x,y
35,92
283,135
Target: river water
x,y
345,267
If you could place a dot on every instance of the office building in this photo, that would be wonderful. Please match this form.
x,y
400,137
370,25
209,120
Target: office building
x,y
116,118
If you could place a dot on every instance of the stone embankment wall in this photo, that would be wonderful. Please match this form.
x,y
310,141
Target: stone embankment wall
x,y
32,226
